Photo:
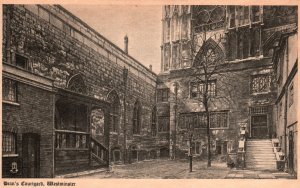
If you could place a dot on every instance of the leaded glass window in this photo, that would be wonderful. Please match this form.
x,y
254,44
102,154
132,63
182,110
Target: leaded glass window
x,y
76,84
8,143
260,83
9,90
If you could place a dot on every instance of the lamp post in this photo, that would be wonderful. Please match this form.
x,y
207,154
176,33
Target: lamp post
x,y
125,76
190,150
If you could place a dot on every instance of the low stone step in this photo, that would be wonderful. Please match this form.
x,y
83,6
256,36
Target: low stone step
x,y
259,154
260,159
259,145
258,149
273,167
260,162
265,166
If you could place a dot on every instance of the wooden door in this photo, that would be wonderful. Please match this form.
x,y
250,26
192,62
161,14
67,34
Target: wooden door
x,y
30,155
259,126
291,151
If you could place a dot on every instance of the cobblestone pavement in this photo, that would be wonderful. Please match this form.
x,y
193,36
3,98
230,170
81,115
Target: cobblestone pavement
x,y
179,169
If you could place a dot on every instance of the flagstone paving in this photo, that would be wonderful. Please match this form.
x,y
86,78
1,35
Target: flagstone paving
x,y
179,169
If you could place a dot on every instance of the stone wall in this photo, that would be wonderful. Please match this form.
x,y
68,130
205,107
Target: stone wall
x,y
233,95
59,45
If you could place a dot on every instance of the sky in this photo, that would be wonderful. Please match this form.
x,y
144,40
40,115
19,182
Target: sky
x,y
141,23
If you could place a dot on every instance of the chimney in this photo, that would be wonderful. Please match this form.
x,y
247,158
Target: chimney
x,y
150,67
126,44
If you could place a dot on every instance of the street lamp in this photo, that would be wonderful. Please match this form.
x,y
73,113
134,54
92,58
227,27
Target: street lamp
x,y
190,148
125,77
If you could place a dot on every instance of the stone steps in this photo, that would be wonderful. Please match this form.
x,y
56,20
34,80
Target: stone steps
x,y
260,155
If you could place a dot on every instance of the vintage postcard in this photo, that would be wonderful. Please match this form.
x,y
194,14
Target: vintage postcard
x,y
131,93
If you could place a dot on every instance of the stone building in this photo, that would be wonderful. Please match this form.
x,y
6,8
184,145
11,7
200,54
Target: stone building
x,y
285,61
66,91
243,93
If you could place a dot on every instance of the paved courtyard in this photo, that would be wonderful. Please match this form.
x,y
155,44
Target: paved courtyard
x,y
164,169
179,169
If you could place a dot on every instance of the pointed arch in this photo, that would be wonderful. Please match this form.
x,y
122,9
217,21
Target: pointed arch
x,y
136,118
154,121
76,83
115,110
209,51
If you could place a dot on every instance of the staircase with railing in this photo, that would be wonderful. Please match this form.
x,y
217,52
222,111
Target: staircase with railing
x,y
99,154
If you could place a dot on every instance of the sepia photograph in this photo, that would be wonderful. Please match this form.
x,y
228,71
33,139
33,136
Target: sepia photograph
x,y
149,91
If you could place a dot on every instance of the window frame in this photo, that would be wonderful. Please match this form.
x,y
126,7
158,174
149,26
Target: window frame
x,y
26,61
185,119
9,141
12,87
196,144
163,95
291,94
200,87
153,122
226,113
165,120
267,90
136,119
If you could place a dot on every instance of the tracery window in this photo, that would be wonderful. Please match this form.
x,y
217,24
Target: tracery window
x,y
260,83
115,111
153,122
136,118
76,84
163,123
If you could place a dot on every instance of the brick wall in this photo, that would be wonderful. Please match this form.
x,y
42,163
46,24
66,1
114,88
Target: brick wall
x,y
33,114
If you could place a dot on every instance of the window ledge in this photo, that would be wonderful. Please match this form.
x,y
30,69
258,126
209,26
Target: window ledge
x,y
219,128
163,102
165,132
10,155
11,103
69,149
261,93
114,133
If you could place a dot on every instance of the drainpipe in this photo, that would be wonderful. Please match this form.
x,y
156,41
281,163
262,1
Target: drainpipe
x,y
285,106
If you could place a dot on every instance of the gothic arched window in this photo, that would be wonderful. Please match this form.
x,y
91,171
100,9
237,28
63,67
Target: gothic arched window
x,y
136,120
113,98
153,122
76,84
210,53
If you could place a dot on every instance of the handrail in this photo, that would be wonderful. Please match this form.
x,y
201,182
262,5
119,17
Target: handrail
x,y
99,151
95,140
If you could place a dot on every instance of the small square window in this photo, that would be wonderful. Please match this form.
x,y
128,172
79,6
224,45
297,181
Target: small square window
x,y
162,95
21,61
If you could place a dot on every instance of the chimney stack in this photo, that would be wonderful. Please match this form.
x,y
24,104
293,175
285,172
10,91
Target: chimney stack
x,y
126,44
150,67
